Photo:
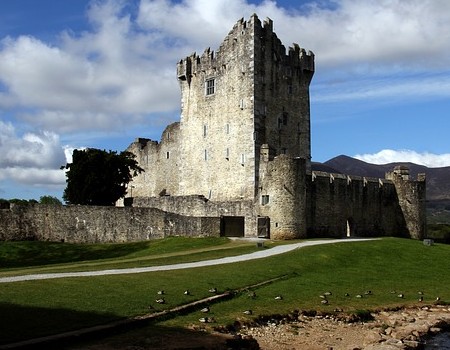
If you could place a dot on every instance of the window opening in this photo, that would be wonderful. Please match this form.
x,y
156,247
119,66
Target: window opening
x,y
264,199
210,86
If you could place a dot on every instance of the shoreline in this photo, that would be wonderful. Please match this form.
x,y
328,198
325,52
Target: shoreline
x,y
406,328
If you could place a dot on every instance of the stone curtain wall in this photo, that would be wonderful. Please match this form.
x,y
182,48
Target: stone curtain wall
x,y
86,224
369,206
199,206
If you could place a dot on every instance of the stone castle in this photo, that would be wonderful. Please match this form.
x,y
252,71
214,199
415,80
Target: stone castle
x,y
237,164
241,152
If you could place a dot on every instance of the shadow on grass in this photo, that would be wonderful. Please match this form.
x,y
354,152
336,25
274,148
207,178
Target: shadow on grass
x,y
63,329
34,253
20,323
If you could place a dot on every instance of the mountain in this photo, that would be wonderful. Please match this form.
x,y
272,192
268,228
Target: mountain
x,y
438,179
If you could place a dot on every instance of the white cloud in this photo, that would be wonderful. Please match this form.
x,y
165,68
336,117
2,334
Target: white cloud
x,y
33,158
392,156
122,70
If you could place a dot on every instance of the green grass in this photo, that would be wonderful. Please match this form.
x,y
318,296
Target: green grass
x,y
34,253
405,266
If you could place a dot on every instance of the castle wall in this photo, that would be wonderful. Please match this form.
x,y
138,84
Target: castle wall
x,y
217,125
199,206
412,200
161,164
282,119
282,197
90,224
341,205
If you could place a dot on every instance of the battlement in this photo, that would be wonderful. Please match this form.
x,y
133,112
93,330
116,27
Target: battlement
x,y
251,30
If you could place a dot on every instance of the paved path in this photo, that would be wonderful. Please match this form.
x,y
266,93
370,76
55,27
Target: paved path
x,y
263,253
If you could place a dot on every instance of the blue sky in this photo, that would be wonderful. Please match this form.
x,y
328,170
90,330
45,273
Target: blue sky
x,y
80,73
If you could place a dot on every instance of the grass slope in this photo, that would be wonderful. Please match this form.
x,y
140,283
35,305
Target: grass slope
x,y
43,307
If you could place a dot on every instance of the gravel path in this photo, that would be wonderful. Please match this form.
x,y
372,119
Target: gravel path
x,y
263,253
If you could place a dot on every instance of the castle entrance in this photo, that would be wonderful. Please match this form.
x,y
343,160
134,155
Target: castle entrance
x,y
232,226
264,227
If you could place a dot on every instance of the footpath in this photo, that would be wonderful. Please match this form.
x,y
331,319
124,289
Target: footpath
x,y
263,253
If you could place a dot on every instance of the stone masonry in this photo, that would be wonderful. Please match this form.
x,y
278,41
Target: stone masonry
x,y
243,145
238,163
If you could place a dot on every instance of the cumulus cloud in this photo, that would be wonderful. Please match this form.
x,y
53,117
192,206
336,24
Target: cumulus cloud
x,y
120,71
122,68
33,158
393,156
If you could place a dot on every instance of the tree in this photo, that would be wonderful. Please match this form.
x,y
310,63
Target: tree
x,y
49,200
97,177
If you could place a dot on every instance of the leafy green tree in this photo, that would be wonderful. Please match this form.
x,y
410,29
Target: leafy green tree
x,y
49,200
98,177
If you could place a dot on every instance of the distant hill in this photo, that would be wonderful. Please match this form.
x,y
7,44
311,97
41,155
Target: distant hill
x,y
438,179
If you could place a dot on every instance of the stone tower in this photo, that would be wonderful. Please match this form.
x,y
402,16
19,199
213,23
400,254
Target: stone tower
x,y
248,94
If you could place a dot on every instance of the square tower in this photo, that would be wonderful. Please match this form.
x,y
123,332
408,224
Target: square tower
x,y
248,94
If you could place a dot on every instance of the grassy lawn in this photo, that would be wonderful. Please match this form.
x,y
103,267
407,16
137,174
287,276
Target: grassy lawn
x,y
22,258
384,266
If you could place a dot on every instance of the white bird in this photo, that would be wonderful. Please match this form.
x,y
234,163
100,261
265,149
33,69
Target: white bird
x,y
278,297
186,292
327,293
213,290
160,301
160,292
358,296
325,301
205,309
248,312
401,295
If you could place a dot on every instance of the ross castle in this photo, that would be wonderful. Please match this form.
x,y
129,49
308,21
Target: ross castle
x,y
241,152
237,164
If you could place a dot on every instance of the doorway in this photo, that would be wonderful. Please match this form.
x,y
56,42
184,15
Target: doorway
x,y
232,226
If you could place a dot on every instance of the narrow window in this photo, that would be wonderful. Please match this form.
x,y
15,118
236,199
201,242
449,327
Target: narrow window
x,y
206,154
227,128
285,118
210,87
227,154
264,199
205,130
242,158
167,155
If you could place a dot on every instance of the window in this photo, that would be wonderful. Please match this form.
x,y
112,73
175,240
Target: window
x,y
167,155
210,87
206,154
205,130
227,154
227,128
285,118
264,199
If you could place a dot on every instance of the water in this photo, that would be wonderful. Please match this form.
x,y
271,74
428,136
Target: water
x,y
439,342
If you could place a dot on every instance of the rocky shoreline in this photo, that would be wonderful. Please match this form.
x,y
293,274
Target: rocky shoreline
x,y
405,329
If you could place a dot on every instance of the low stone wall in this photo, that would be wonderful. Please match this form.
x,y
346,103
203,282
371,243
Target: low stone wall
x,y
89,224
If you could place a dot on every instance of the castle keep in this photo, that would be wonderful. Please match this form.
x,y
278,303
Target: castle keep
x,y
241,152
